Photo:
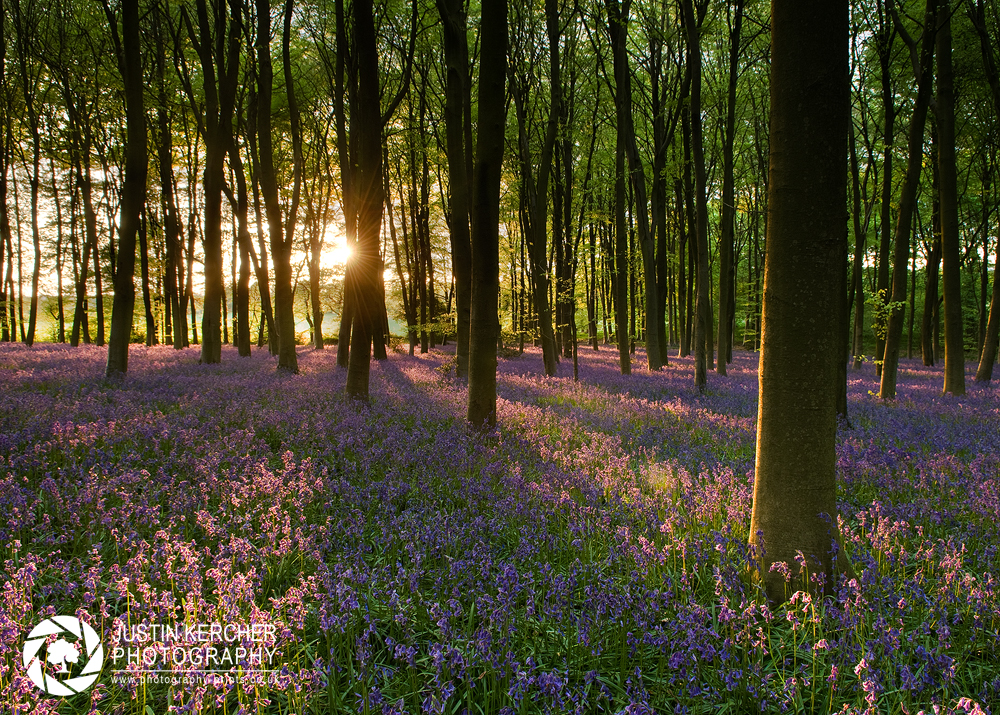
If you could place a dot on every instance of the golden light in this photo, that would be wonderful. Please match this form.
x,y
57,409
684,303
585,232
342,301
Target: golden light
x,y
336,251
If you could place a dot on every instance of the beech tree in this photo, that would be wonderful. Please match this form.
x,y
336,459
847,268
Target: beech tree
x,y
954,340
134,188
922,67
482,400
794,497
988,355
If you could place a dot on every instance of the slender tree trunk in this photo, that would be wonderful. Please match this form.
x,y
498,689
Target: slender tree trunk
x,y
857,287
988,356
247,256
366,262
907,205
219,63
60,315
456,51
284,318
618,28
954,341
147,298
794,505
913,285
345,152
928,329
133,190
693,26
726,246
621,262
884,40
482,410
5,154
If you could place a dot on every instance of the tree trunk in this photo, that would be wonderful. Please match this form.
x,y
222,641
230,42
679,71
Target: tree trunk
x,y
366,262
907,205
147,298
857,279
618,28
482,404
987,357
726,248
884,40
220,96
928,327
60,314
621,262
284,317
5,154
693,26
989,354
457,91
954,347
133,189
794,505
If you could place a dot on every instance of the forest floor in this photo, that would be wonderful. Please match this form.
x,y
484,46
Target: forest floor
x,y
589,556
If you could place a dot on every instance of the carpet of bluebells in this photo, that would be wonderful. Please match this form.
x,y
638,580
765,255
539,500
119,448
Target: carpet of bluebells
x,y
588,557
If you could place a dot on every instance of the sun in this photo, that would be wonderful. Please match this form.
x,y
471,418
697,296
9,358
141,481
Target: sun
x,y
336,252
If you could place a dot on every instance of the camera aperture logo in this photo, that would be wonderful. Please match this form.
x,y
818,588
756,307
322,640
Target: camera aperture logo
x,y
66,641
64,656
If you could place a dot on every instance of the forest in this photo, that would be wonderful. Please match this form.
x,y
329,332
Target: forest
x,y
489,357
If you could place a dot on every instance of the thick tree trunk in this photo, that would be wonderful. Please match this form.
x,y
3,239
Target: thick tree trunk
x,y
954,339
907,205
794,505
482,404
133,190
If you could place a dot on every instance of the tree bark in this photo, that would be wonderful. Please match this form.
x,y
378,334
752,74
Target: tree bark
x,y
987,357
693,27
284,317
618,17
345,153
907,205
219,63
134,187
457,93
954,347
857,278
884,39
794,504
482,400
366,261
726,248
